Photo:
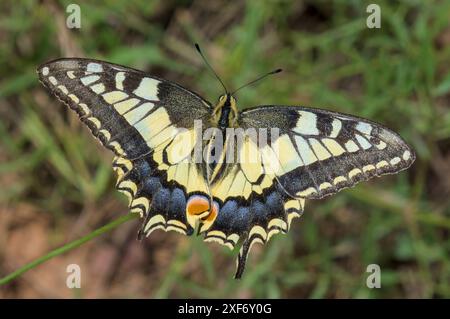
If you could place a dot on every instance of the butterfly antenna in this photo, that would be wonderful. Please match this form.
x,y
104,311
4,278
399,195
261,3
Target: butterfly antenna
x,y
210,67
258,79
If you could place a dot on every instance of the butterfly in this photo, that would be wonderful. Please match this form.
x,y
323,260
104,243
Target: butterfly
x,y
182,170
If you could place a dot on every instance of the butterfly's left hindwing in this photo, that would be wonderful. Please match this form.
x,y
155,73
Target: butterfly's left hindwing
x,y
139,118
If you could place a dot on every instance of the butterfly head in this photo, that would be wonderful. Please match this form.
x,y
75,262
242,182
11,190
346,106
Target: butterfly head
x,y
227,98
225,113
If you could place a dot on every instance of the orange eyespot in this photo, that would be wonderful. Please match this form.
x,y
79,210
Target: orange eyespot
x,y
197,205
198,209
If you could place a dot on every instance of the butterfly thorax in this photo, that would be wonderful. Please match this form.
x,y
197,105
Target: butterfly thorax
x,y
225,113
224,116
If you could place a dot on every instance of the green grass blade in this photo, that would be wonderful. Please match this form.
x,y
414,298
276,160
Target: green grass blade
x,y
67,247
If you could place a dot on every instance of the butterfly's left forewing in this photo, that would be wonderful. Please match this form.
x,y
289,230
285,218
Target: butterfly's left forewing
x,y
148,123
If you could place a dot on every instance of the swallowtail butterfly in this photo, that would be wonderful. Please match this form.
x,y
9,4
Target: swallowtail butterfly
x,y
172,152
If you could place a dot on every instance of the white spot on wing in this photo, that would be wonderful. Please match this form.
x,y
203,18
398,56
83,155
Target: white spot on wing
x,y
136,115
98,88
406,155
94,67
84,108
354,172
114,96
382,164
320,151
70,74
106,134
148,89
74,98
325,185
94,121
52,80
120,77
363,142
334,147
339,179
336,128
306,123
307,192
89,79
126,105
351,146
63,89
395,160
364,128
305,151
381,146
45,71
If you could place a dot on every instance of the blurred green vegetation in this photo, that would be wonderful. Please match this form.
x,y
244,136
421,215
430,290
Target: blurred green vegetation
x,y
397,75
